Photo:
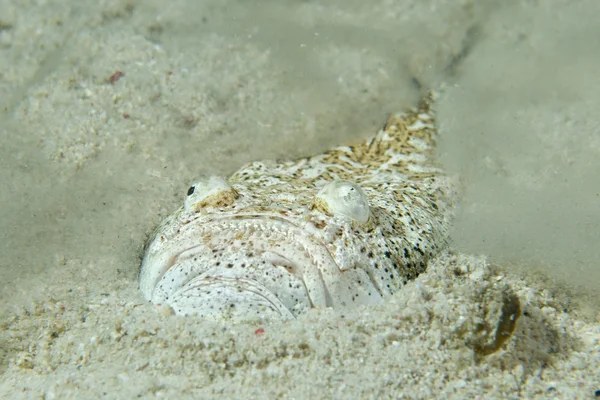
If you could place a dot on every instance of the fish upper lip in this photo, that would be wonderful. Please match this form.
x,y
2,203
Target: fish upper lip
x,y
316,280
276,218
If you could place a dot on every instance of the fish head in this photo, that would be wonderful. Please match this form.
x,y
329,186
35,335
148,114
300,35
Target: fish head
x,y
267,242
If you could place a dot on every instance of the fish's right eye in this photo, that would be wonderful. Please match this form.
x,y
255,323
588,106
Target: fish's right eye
x,y
210,191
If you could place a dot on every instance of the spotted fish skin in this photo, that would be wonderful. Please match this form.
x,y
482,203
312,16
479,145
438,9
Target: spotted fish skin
x,y
344,228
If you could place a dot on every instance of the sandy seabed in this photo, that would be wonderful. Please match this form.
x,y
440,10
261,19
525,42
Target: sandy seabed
x,y
109,109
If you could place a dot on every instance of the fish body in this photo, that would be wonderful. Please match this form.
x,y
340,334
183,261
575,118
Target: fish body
x,y
344,228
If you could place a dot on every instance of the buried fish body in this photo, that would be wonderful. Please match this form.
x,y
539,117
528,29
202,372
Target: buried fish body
x,y
344,228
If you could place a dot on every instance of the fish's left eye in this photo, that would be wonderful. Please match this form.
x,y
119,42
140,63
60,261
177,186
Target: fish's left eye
x,y
344,198
191,190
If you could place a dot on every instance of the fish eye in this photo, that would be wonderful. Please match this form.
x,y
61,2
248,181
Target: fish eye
x,y
344,198
209,191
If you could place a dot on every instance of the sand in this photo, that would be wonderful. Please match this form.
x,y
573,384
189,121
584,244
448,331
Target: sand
x,y
109,109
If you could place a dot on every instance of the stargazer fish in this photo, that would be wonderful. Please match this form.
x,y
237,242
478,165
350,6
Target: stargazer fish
x,y
344,228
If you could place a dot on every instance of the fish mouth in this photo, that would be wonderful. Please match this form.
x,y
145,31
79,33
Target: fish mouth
x,y
255,263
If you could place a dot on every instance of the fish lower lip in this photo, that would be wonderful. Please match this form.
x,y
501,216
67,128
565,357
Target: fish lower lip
x,y
222,245
236,295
